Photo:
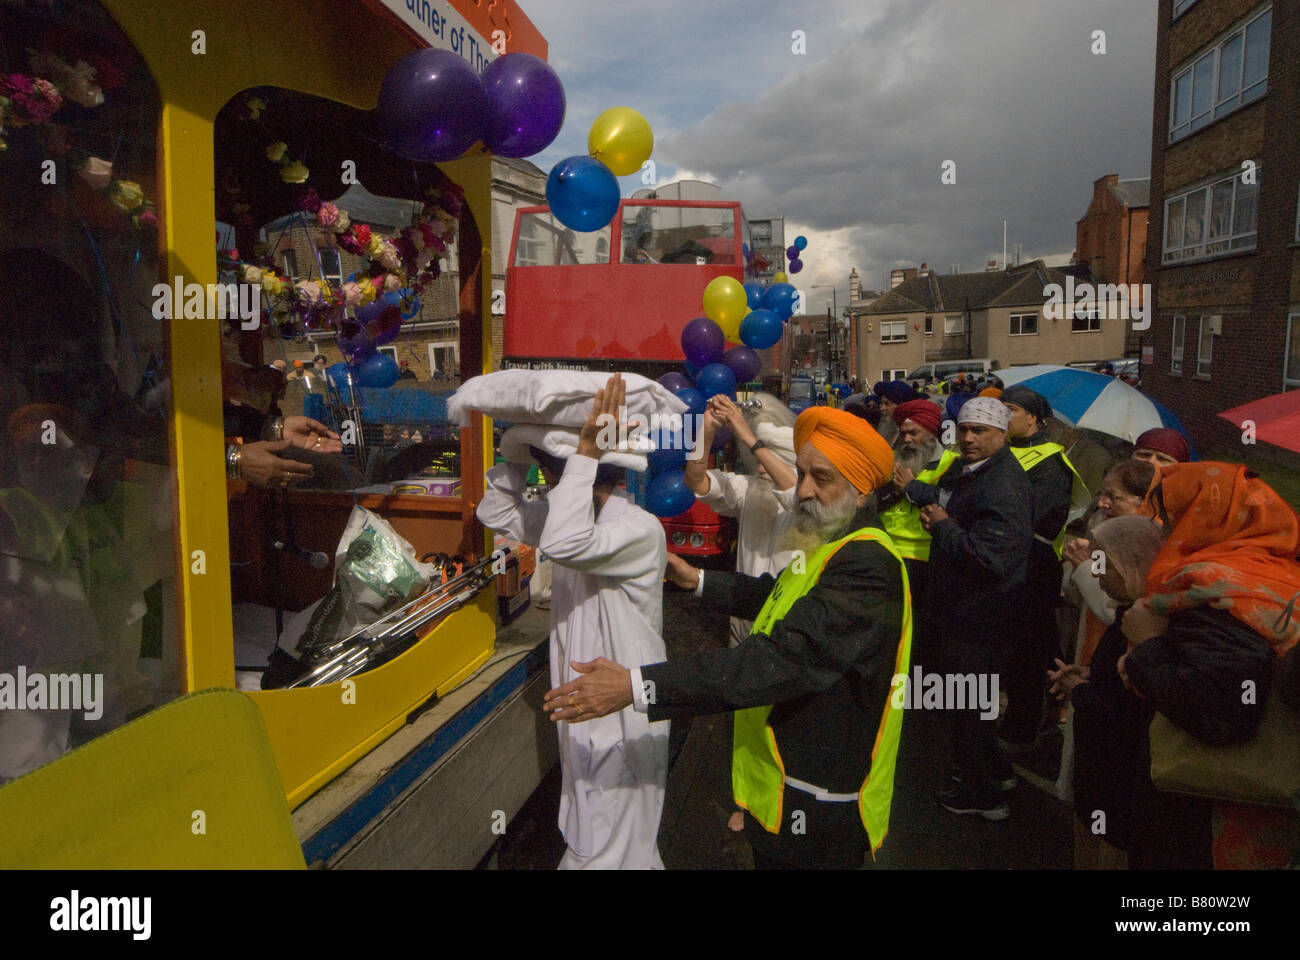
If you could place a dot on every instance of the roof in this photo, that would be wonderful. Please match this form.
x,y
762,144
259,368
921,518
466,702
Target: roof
x,y
951,293
523,166
1133,193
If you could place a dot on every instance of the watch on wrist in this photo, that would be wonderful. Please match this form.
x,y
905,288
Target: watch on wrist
x,y
756,446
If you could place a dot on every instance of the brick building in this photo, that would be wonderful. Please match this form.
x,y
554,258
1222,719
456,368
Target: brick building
x,y
1224,246
1111,238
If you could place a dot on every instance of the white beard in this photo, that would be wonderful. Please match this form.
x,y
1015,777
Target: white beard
x,y
813,524
916,458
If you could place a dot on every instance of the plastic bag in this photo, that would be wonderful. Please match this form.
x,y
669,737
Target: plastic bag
x,y
375,572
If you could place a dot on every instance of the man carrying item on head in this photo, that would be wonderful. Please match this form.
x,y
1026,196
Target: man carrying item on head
x,y
1035,638
816,732
981,534
606,601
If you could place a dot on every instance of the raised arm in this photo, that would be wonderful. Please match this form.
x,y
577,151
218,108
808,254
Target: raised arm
x,y
504,509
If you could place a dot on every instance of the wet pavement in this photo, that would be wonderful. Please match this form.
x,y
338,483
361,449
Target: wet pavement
x,y
694,835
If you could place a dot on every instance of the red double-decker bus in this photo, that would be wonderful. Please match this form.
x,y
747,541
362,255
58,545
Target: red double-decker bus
x,y
618,298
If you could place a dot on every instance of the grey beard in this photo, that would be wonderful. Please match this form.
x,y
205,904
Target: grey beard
x,y
813,524
915,458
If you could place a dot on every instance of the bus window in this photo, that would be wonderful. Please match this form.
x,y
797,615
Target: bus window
x,y
675,234
545,242
88,579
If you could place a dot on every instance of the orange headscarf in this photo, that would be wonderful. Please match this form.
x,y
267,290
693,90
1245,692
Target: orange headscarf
x,y
1232,544
849,442
993,392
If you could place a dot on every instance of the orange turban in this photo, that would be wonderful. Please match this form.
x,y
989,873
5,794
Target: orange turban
x,y
993,392
849,442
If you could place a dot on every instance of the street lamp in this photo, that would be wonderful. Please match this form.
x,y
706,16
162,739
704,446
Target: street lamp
x,y
834,312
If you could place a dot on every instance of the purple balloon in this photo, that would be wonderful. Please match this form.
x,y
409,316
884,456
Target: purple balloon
x,y
703,342
675,381
792,252
715,379
743,362
720,439
525,105
432,106
381,320
796,265
354,342
380,370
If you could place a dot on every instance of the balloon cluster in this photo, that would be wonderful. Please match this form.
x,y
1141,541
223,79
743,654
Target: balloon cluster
x,y
749,313
433,106
582,191
793,252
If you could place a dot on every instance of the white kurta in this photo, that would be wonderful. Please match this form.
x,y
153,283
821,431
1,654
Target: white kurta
x,y
763,516
606,601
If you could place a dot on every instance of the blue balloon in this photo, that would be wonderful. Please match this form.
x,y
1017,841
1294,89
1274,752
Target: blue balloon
x,y
667,495
695,401
670,452
800,241
338,374
744,248
755,291
692,370
355,343
716,378
582,193
381,371
780,299
761,329
406,300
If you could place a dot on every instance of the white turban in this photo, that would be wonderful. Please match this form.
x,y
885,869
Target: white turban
x,y
986,410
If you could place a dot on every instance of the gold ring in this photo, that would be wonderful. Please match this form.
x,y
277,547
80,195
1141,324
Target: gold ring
x,y
578,706
573,696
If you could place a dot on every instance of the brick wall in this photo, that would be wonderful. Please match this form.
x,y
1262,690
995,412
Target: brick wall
x,y
1251,291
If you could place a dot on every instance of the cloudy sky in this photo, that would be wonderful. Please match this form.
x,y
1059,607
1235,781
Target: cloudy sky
x,y
847,141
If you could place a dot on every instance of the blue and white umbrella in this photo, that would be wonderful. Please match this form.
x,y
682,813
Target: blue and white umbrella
x,y
1093,401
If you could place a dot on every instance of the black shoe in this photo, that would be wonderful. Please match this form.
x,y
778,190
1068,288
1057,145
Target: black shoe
x,y
961,801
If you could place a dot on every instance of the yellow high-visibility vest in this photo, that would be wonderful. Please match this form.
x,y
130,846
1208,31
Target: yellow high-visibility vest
x,y
757,771
902,520
1030,457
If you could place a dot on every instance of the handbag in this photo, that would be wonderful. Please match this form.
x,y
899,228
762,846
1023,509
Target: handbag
x,y
1263,770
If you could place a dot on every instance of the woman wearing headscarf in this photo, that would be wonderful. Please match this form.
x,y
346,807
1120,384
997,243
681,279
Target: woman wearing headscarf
x,y
892,393
1162,447
1109,724
1217,620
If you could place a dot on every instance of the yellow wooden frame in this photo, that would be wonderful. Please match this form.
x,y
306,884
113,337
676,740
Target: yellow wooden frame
x,y
308,46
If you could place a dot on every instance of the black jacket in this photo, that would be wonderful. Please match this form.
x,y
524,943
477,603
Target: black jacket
x,y
826,668
978,554
1195,674
1051,484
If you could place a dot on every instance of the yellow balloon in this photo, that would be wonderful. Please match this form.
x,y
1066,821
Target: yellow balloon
x,y
725,303
731,329
779,277
621,139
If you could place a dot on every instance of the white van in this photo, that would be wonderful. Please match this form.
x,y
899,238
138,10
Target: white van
x,y
942,369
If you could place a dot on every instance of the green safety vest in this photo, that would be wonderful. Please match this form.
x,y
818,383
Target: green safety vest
x,y
1030,457
902,521
757,771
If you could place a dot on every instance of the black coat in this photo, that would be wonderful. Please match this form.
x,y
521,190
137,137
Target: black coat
x,y
1051,484
978,554
826,668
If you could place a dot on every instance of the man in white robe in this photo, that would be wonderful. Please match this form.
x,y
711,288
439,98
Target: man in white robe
x,y
606,601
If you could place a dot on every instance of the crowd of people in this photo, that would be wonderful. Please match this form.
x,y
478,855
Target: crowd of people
x,y
907,530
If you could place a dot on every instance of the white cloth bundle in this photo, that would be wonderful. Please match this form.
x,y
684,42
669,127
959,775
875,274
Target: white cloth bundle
x,y
558,397
563,442
780,439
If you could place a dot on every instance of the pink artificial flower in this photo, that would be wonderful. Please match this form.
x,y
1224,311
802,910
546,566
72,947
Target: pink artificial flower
x,y
327,215
96,172
148,218
391,283
351,294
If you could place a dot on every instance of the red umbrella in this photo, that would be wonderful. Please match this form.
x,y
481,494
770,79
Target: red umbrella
x,y
1276,419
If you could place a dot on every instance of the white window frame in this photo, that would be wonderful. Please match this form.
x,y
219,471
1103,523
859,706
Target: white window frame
x,y
434,345
1204,334
287,256
392,352
1290,378
1181,7
1089,316
929,320
1021,317
959,330
1231,242
1217,107
892,326
893,373
1178,339
1297,217
335,280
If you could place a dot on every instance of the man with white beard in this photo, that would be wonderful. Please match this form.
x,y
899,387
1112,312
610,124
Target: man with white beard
x,y
816,732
